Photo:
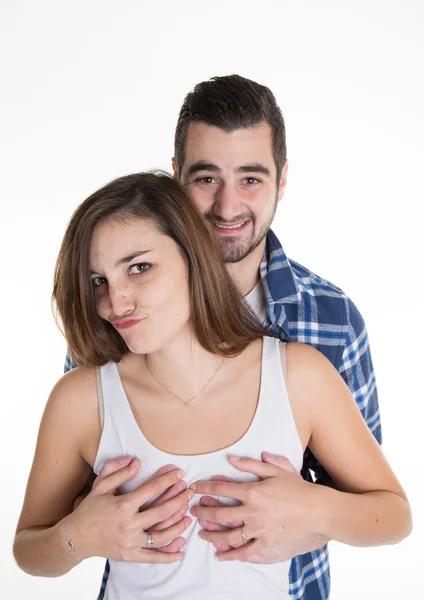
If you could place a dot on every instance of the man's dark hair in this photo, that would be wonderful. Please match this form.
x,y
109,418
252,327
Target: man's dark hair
x,y
231,102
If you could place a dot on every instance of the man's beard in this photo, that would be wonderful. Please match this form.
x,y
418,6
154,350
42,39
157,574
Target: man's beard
x,y
232,248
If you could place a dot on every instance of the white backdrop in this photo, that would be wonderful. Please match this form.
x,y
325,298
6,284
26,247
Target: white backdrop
x,y
91,90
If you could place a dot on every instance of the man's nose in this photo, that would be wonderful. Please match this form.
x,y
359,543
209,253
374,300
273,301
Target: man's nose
x,y
227,203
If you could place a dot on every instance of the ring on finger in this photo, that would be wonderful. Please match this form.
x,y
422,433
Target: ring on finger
x,y
149,541
242,537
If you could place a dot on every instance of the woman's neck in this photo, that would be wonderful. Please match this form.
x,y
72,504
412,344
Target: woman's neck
x,y
183,367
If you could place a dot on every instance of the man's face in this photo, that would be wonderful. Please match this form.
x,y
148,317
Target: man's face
x,y
232,179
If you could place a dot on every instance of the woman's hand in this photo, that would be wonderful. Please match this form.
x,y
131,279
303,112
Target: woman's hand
x,y
117,527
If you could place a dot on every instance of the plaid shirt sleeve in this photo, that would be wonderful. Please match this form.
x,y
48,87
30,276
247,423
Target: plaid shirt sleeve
x,y
356,368
69,365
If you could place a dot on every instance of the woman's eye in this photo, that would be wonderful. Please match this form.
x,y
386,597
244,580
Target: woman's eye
x,y
98,281
140,268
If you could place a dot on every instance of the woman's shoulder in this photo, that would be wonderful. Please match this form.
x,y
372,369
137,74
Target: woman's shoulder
x,y
302,356
80,379
75,393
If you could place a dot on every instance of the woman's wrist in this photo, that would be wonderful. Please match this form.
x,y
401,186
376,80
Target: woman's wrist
x,y
72,538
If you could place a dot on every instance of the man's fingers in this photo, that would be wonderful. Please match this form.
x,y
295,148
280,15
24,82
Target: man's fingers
x,y
211,526
235,491
279,461
246,553
112,465
109,484
222,478
208,501
220,514
256,467
230,537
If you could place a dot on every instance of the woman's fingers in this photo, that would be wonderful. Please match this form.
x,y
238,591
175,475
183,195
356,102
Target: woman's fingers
x,y
148,557
177,516
152,516
153,488
162,538
112,465
172,492
110,483
174,546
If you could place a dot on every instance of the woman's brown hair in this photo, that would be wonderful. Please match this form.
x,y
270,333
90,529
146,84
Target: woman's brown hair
x,y
222,322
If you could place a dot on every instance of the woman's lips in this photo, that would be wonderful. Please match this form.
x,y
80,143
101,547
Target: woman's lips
x,y
126,324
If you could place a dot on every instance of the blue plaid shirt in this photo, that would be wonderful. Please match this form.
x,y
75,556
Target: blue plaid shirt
x,y
303,307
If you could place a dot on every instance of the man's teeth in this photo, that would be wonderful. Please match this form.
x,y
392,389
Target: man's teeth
x,y
230,226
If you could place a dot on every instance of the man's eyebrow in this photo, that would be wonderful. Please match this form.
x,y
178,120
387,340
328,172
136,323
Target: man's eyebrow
x,y
254,168
202,166
127,259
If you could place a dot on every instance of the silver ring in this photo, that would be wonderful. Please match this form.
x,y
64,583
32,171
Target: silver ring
x,y
243,538
149,540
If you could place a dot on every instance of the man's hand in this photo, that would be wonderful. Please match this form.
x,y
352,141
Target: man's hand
x,y
274,513
113,465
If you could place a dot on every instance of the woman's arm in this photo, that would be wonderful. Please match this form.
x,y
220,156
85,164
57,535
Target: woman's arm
x,y
369,506
103,524
57,475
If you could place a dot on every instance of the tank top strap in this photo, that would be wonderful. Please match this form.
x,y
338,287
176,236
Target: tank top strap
x,y
274,361
115,407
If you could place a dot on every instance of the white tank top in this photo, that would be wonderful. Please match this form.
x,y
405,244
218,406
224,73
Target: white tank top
x,y
199,576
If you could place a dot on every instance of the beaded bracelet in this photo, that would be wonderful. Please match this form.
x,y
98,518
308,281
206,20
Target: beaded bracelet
x,y
70,542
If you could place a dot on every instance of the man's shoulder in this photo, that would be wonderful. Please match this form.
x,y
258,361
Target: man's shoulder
x,y
311,282
320,299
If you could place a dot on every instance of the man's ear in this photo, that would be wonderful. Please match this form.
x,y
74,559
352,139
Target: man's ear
x,y
283,181
174,167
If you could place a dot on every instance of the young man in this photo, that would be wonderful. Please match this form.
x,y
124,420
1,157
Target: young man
x,y
230,153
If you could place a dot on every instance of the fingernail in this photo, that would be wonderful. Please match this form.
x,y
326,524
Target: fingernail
x,y
269,455
190,494
123,460
234,458
180,473
202,523
193,487
184,510
133,463
221,557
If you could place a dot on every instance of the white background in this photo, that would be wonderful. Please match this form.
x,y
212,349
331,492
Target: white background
x,y
91,90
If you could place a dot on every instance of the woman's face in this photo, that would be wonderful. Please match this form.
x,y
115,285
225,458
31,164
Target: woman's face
x,y
141,283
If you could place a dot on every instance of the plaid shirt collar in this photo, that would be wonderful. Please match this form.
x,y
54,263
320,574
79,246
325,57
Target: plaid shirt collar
x,y
280,287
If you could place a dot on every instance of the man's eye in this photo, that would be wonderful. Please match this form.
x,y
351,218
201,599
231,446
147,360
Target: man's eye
x,y
139,268
251,180
98,281
204,180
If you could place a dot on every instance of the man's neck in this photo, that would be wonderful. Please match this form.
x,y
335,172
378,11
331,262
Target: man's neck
x,y
246,272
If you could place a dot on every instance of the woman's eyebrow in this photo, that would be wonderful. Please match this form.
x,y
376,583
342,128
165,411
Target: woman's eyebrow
x,y
130,257
125,259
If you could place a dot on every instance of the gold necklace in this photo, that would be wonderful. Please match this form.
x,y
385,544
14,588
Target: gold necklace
x,y
186,402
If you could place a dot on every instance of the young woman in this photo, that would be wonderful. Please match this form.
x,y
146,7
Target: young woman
x,y
178,375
